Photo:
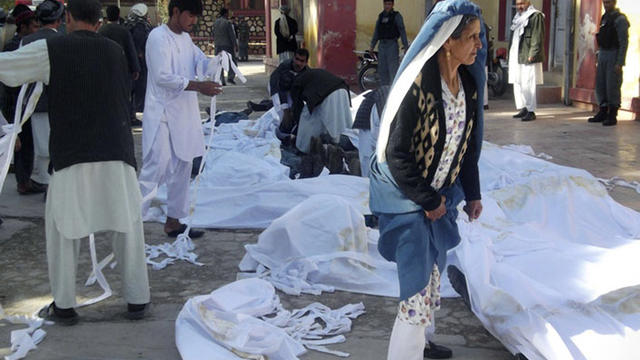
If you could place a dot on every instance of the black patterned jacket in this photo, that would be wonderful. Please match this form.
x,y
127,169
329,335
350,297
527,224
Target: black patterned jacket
x,y
417,137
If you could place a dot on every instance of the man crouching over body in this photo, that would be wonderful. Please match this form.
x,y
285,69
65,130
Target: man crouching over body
x,y
425,163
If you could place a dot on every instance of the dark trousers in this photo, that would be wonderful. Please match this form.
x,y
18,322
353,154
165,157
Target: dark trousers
x,y
608,81
139,90
230,50
23,159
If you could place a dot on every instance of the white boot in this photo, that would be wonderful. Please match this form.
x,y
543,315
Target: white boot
x,y
407,341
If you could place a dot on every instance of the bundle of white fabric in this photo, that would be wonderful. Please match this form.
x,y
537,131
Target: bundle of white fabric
x,y
245,320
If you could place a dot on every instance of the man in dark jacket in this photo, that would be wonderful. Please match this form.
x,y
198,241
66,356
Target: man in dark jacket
x,y
49,13
118,33
224,39
389,27
613,41
139,27
281,81
23,158
285,29
321,106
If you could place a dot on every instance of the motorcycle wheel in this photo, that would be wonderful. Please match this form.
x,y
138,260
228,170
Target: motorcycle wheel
x,y
368,77
500,85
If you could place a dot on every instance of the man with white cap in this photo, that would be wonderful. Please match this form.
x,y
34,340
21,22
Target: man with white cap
x,y
49,13
139,27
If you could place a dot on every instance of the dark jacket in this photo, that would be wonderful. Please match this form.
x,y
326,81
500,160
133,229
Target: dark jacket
x,y
532,40
286,44
377,98
614,34
281,80
312,87
86,125
43,33
122,36
417,136
10,97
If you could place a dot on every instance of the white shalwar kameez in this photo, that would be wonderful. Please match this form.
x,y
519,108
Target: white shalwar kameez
x,y
524,77
82,199
331,117
171,126
41,130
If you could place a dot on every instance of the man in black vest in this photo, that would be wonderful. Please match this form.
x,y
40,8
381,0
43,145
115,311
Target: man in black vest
x,y
613,40
389,28
49,13
118,33
94,186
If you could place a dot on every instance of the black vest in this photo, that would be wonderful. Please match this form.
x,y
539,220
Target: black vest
x,y
377,98
607,37
88,101
387,29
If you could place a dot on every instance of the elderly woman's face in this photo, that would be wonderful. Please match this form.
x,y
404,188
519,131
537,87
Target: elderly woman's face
x,y
465,48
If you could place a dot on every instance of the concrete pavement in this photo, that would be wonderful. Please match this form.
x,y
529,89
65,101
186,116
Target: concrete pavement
x,y
103,333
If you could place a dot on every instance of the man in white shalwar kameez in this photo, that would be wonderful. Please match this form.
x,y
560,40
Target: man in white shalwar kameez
x,y
526,54
171,128
93,187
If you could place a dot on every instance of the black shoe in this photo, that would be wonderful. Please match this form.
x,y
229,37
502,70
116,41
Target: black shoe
x,y
231,81
194,234
66,317
612,117
600,116
335,156
529,117
435,351
521,113
136,311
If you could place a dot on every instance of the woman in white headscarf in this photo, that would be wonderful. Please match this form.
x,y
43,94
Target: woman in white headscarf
x,y
285,29
426,163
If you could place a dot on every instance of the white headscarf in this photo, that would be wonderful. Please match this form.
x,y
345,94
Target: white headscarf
x,y
284,24
521,20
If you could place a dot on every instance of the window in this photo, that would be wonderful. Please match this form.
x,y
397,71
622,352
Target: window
x,y
246,4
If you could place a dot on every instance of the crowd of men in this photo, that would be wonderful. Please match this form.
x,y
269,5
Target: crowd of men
x,y
82,156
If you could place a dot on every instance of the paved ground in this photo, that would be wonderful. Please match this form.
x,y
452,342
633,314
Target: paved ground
x,y
103,333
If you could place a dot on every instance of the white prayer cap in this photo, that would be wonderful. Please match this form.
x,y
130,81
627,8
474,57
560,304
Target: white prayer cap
x,y
139,10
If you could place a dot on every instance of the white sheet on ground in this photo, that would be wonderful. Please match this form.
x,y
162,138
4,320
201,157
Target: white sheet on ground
x,y
552,262
245,186
245,320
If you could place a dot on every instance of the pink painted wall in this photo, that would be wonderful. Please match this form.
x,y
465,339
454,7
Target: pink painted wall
x,y
337,37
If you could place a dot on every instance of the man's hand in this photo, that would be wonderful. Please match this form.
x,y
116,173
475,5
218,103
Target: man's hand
x,y
530,59
473,208
439,212
135,75
208,88
617,68
18,145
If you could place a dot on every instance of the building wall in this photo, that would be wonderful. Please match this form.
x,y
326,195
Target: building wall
x,y
413,13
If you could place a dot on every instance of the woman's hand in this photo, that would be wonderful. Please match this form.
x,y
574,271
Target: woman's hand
x,y
473,208
439,212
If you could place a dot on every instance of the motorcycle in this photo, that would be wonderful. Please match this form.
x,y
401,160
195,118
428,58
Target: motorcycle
x,y
368,77
497,66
